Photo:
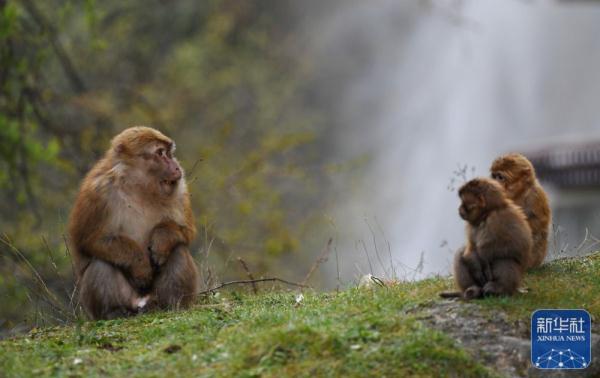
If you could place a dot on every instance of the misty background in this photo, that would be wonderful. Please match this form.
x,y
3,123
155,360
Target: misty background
x,y
443,85
296,122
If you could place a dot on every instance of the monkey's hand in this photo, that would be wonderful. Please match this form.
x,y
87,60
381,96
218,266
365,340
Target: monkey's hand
x,y
141,271
164,238
475,265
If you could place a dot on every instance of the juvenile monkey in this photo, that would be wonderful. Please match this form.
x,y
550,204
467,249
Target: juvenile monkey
x,y
517,175
131,227
498,244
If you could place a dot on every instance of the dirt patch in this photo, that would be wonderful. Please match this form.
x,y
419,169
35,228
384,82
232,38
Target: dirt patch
x,y
172,349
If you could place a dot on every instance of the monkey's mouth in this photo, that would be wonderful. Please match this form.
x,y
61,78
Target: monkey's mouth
x,y
168,186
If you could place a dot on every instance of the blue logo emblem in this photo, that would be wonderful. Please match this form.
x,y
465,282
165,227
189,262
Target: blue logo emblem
x,y
561,339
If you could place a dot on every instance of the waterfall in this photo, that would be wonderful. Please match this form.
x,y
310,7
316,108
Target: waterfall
x,y
429,87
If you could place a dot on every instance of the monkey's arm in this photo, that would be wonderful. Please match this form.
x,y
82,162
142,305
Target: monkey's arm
x,y
90,236
169,234
478,268
165,237
124,253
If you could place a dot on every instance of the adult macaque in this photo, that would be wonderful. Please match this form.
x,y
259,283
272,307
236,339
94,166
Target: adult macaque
x,y
131,227
498,245
516,174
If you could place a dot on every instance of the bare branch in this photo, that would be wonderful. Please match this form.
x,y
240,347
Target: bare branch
x,y
376,248
245,282
362,243
321,259
249,274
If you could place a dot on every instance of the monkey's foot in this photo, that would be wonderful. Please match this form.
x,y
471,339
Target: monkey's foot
x,y
494,289
143,304
143,301
472,292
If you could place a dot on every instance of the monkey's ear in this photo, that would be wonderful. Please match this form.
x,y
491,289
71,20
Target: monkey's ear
x,y
120,149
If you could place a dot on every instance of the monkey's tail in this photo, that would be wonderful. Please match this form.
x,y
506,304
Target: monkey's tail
x,y
451,294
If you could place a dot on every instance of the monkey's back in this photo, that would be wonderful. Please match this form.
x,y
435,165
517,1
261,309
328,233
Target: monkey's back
x,y
88,213
536,206
505,234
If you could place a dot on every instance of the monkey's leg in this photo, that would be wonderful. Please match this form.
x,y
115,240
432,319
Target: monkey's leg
x,y
507,278
177,282
479,269
463,276
487,271
105,293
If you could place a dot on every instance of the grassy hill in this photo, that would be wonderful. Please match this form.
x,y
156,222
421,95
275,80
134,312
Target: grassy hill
x,y
398,330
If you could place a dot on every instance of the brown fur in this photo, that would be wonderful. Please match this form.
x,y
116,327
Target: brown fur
x,y
131,226
498,242
516,173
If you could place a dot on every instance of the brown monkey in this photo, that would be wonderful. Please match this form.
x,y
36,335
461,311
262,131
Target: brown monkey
x,y
515,172
131,227
498,244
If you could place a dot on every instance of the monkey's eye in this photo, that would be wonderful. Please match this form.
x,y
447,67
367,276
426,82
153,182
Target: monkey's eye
x,y
498,176
160,152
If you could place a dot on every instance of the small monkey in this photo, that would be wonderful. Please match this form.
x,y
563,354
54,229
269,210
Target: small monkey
x,y
498,244
130,229
517,175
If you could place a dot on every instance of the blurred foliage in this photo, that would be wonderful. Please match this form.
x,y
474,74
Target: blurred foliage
x,y
226,79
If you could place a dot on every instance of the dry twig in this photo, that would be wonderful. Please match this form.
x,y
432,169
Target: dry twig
x,y
249,274
245,282
322,258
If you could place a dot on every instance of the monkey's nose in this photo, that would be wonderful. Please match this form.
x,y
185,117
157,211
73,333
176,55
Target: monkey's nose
x,y
176,174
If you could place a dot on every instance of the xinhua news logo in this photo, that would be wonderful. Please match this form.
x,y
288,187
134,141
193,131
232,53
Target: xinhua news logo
x,y
561,339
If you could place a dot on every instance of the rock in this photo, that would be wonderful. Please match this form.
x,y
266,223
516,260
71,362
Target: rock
x,y
501,344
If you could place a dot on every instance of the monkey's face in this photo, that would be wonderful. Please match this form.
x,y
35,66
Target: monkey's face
x,y
515,181
479,197
502,177
147,157
471,207
162,167
514,172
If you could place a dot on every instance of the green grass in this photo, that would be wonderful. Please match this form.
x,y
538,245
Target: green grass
x,y
351,333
